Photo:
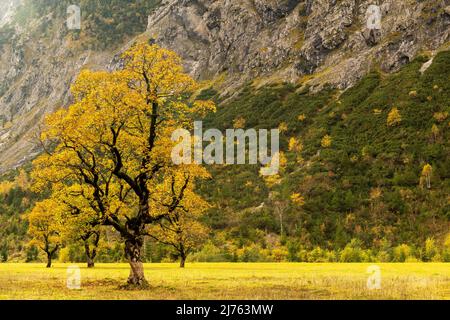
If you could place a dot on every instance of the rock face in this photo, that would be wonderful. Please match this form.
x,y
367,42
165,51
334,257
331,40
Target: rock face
x,y
312,42
35,77
294,38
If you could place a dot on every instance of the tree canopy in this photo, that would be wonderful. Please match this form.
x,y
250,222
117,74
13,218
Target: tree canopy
x,y
109,153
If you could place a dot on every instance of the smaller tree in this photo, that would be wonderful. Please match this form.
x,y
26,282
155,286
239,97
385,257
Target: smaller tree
x,y
295,145
273,183
181,228
44,228
239,123
326,141
298,199
181,232
431,251
446,251
426,175
80,224
283,127
435,132
394,117
91,240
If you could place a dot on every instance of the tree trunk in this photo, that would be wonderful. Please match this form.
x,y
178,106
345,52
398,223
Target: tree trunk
x,y
133,253
182,261
49,260
89,255
90,262
281,222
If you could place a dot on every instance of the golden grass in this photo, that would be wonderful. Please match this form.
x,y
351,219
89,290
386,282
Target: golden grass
x,y
231,281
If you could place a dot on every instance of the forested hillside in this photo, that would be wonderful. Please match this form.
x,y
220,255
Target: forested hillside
x,y
365,176
357,169
105,23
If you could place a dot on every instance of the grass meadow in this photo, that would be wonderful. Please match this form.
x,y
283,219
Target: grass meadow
x,y
219,281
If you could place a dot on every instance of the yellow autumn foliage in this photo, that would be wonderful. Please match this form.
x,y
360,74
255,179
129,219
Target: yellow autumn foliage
x,y
394,117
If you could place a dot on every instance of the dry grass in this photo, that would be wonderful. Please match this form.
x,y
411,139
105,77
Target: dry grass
x,y
231,281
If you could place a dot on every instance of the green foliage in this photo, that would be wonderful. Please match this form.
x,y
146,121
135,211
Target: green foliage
x,y
352,252
431,251
343,219
105,23
15,198
336,182
208,94
209,253
402,253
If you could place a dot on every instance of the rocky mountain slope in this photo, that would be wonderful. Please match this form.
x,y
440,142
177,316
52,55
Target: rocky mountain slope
x,y
227,42
294,38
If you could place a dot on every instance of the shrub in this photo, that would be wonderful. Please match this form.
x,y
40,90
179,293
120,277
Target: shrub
x,y
209,253
303,255
352,252
280,254
64,255
430,250
402,253
331,256
316,255
446,250
367,256
253,253
293,249
32,254
383,256
394,117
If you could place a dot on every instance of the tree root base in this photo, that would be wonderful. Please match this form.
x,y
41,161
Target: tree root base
x,y
143,285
